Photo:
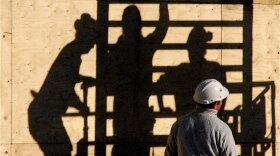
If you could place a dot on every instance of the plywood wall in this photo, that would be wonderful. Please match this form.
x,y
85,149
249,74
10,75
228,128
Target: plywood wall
x,y
266,54
267,2
33,34
6,79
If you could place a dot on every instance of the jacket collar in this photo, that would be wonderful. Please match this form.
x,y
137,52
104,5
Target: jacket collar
x,y
205,110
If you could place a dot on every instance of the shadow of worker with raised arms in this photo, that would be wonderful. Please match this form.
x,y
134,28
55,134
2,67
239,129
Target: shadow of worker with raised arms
x,y
130,81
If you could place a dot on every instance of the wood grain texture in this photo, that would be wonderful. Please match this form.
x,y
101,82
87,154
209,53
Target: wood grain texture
x,y
266,58
41,30
267,2
38,31
5,149
5,71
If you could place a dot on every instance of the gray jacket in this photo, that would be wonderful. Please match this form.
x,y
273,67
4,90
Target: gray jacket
x,y
200,133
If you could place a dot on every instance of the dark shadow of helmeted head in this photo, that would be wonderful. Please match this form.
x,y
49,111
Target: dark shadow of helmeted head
x,y
131,21
197,43
86,32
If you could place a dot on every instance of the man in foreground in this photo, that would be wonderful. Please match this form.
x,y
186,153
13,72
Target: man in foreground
x,y
201,132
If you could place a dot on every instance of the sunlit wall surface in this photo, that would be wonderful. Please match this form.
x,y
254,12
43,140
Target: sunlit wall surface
x,y
87,77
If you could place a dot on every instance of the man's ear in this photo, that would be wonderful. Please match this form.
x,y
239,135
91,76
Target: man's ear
x,y
218,105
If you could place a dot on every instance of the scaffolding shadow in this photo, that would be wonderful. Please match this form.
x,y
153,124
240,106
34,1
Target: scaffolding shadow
x,y
132,84
125,70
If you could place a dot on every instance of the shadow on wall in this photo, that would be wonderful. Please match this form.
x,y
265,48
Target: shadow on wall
x,y
130,82
182,80
126,74
57,92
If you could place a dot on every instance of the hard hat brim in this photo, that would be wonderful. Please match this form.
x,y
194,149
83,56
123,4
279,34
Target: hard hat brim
x,y
224,94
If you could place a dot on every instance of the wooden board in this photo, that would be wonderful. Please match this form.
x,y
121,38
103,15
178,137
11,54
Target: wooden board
x,y
267,2
5,149
266,57
41,29
5,71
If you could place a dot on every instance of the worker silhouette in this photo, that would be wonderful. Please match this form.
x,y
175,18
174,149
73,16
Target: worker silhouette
x,y
57,92
182,79
130,79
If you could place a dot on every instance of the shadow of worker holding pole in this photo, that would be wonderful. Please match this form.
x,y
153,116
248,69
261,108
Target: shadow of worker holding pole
x,y
57,92
130,81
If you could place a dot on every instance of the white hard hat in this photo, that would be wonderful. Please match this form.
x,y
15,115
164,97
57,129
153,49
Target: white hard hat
x,y
209,91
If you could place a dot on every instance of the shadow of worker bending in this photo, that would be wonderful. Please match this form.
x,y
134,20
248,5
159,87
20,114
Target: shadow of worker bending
x,y
130,82
181,80
57,92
